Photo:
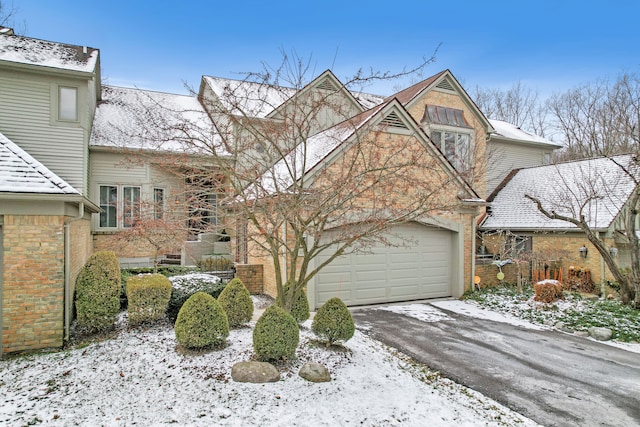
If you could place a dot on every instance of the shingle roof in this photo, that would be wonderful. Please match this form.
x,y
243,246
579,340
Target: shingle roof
x,y
599,185
407,95
21,173
142,119
28,51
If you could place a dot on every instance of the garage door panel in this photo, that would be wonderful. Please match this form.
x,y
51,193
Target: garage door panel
x,y
392,273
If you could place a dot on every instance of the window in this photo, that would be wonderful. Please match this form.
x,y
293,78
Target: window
x,y
109,206
456,147
68,103
131,206
158,203
120,206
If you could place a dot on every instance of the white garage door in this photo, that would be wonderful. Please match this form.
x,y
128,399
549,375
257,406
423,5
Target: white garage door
x,y
389,274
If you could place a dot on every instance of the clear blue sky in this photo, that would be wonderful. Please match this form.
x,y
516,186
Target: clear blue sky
x,y
548,45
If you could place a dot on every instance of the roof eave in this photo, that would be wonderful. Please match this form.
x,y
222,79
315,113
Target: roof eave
x,y
43,69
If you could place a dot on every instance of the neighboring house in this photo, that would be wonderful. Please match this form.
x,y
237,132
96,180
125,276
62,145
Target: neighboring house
x,y
510,147
140,143
596,188
48,93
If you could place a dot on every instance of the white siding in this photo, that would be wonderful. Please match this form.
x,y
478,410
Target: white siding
x,y
26,119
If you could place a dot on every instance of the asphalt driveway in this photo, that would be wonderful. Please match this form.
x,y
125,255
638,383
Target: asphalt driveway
x,y
553,378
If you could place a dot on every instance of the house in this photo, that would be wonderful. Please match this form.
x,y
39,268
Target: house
x,y
82,164
48,92
598,189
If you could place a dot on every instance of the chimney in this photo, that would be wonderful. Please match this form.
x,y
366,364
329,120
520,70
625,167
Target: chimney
x,y
6,31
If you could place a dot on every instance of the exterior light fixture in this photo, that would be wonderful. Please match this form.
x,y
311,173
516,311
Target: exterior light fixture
x,y
583,251
613,251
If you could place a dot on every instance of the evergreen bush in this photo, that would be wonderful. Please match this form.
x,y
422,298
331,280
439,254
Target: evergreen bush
x,y
185,286
97,293
333,322
148,297
300,309
236,302
201,322
276,335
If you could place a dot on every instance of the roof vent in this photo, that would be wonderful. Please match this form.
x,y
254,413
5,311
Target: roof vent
x,y
445,84
393,120
326,85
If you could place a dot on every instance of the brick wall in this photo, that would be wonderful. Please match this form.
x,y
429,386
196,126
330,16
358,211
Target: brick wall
x,y
80,248
33,282
252,277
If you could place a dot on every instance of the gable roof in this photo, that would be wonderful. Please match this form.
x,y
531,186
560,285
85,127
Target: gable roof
x,y
21,173
27,51
147,120
306,158
512,133
599,184
444,80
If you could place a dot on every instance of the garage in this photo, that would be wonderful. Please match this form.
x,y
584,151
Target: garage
x,y
422,268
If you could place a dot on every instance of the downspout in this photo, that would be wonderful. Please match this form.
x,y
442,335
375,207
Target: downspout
x,y
602,272
473,253
67,269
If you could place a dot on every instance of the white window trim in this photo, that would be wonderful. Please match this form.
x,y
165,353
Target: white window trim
x,y
456,130
55,119
119,205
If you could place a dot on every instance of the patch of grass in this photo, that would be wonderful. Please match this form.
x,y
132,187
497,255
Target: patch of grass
x,y
574,311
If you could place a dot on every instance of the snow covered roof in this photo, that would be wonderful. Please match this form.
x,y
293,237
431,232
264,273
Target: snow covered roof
x,y
28,51
248,98
599,185
307,156
514,133
142,119
21,173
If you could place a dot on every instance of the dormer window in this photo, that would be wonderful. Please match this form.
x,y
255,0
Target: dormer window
x,y
451,133
68,104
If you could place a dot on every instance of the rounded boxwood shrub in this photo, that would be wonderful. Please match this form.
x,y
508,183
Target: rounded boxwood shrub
x,y
186,285
333,322
276,335
300,309
97,293
148,297
236,302
201,322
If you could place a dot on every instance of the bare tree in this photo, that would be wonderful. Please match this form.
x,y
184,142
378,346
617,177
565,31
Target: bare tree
x,y
600,118
518,105
600,187
311,166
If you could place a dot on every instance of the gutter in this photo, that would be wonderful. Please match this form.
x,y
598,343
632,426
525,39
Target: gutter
x,y
67,269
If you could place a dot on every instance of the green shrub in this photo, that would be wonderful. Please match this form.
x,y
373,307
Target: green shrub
x,y
236,302
185,286
276,335
215,264
201,322
333,322
148,297
300,309
97,294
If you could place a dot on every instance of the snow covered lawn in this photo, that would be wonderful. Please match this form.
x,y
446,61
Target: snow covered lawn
x,y
138,378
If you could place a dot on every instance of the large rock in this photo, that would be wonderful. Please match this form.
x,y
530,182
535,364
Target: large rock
x,y
315,373
601,334
255,372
